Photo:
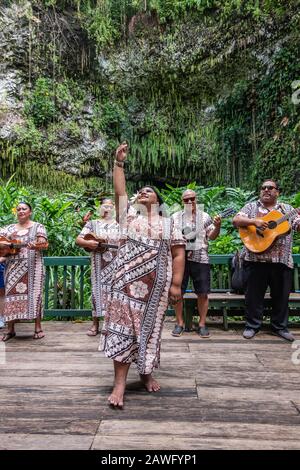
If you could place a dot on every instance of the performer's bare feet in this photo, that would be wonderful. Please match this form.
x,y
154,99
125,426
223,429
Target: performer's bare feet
x,y
151,385
116,398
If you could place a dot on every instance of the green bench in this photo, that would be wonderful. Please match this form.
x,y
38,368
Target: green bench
x,y
222,301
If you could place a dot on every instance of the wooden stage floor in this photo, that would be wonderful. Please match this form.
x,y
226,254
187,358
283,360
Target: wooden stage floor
x,y
221,393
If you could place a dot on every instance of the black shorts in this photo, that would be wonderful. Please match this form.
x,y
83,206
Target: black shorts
x,y
200,275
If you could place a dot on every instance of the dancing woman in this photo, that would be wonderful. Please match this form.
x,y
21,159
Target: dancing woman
x,y
149,271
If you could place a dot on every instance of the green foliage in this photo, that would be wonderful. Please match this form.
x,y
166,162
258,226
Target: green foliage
x,y
40,106
225,244
172,136
51,108
106,20
28,135
10,194
44,177
64,295
216,199
257,131
99,23
113,118
73,129
186,56
61,214
50,99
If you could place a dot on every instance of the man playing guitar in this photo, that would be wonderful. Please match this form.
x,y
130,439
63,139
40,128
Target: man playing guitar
x,y
272,267
197,261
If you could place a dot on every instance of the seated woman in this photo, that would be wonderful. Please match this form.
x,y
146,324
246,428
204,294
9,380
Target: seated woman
x,y
24,273
105,228
149,271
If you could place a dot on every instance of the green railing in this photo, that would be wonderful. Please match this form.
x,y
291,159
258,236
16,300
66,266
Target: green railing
x,y
68,284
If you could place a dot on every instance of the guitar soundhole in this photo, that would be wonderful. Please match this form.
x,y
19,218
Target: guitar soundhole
x,y
272,224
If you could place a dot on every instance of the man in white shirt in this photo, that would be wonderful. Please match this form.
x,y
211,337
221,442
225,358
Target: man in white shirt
x,y
197,227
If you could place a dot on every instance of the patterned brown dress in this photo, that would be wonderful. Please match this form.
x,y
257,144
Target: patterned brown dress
x,y
24,276
139,296
102,265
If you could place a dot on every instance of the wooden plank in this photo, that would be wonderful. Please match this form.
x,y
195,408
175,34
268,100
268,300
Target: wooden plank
x,y
277,361
215,394
242,346
44,425
250,379
134,434
86,382
296,404
196,411
211,429
44,442
195,415
62,409
247,394
92,368
161,442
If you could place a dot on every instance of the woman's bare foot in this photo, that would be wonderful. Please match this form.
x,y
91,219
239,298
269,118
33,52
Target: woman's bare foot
x,y
116,398
151,385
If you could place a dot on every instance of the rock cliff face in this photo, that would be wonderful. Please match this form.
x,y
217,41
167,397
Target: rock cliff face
x,y
13,38
198,100
41,43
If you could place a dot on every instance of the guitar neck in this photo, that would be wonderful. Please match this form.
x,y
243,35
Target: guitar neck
x,y
109,245
287,216
208,222
24,245
223,215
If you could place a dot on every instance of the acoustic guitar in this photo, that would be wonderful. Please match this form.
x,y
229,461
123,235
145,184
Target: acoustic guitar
x,y
258,240
13,246
102,246
190,234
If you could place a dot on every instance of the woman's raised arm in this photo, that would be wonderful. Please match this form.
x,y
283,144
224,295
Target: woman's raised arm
x,y
121,198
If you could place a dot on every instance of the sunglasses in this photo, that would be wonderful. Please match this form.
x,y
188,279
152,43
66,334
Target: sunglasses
x,y
263,188
189,199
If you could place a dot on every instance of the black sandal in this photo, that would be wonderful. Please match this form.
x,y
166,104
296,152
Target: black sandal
x,y
36,335
8,336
